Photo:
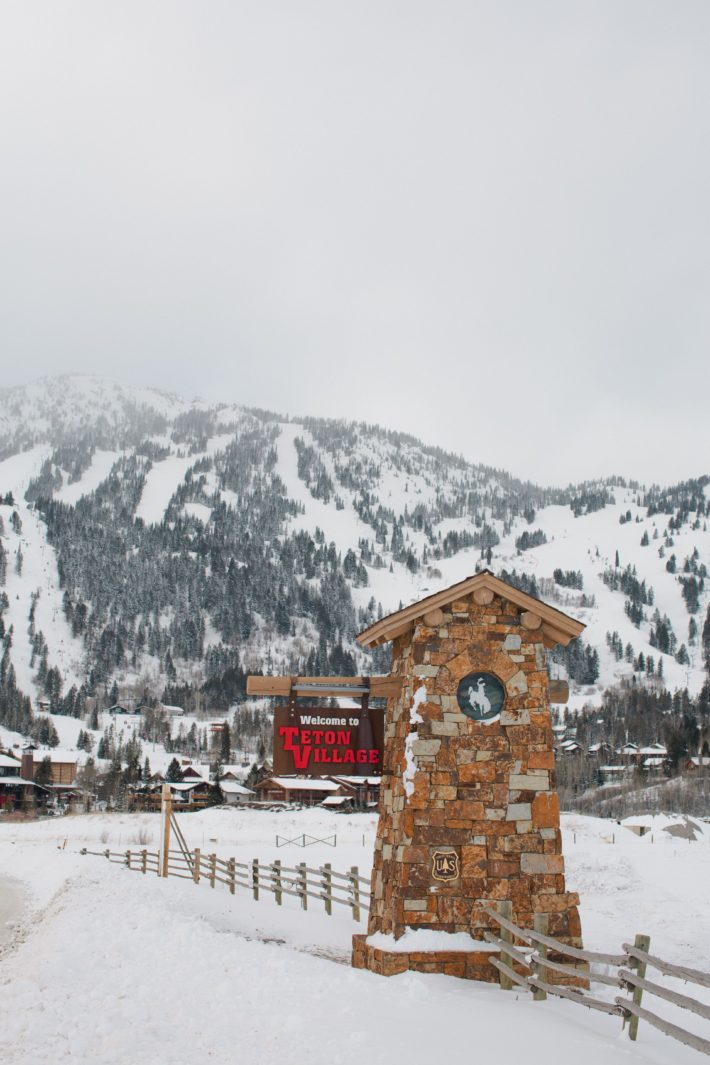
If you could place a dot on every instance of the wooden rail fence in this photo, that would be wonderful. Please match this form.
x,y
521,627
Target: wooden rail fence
x,y
532,954
322,884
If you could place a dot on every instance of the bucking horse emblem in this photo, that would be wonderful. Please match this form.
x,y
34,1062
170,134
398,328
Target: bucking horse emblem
x,y
478,699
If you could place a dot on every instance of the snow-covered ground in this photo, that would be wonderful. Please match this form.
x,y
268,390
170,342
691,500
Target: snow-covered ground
x,y
109,966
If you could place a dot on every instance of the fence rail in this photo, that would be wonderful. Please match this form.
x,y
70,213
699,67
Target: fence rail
x,y
301,881
533,958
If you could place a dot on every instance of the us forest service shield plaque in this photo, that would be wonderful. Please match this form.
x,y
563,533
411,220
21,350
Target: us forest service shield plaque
x,y
481,696
445,865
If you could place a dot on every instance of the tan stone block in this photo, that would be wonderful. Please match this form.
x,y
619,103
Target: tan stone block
x,y
541,863
519,811
529,782
444,728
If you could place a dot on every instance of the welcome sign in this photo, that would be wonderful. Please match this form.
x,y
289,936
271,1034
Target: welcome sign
x,y
322,742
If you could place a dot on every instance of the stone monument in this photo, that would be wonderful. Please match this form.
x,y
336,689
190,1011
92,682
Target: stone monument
x,y
469,815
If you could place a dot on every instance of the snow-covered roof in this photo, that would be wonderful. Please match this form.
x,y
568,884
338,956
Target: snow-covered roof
x,y
57,754
653,763
300,784
187,785
700,760
230,787
171,709
336,800
21,781
9,763
358,780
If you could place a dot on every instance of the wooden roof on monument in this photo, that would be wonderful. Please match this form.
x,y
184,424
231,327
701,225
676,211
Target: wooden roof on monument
x,y
557,627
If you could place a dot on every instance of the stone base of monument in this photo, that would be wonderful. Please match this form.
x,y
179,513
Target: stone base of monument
x,y
467,964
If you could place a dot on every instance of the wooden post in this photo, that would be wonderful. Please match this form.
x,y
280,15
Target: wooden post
x,y
196,871
540,923
232,874
128,859
642,943
303,885
213,869
328,888
255,878
355,889
276,877
506,910
166,807
144,860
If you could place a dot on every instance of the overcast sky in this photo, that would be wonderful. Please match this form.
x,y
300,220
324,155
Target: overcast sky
x,y
483,223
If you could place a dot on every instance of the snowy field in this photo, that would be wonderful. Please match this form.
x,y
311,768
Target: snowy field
x,y
106,966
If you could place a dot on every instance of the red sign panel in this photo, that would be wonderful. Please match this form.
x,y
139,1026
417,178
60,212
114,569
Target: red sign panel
x,y
318,742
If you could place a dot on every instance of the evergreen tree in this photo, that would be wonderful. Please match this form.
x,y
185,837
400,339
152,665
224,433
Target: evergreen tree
x,y
43,773
225,747
174,773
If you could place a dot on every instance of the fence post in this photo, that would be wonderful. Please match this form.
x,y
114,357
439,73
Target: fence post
x,y
540,924
144,860
505,909
196,870
128,859
213,869
303,885
276,877
166,808
255,878
232,874
355,889
328,889
641,943
107,853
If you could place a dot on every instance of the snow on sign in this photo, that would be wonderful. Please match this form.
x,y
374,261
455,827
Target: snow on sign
x,y
323,742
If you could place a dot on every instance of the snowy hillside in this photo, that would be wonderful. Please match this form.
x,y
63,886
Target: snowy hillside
x,y
169,544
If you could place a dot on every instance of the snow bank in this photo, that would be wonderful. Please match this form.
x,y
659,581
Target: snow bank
x,y
426,940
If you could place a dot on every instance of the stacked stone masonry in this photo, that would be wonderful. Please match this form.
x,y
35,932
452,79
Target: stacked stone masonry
x,y
485,791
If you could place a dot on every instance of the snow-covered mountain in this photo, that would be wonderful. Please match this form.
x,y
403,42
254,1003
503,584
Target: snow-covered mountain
x,y
156,541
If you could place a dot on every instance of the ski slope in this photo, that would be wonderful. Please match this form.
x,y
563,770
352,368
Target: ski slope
x,y
39,577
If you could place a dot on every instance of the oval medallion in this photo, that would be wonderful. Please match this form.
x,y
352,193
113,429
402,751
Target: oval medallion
x,y
481,696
